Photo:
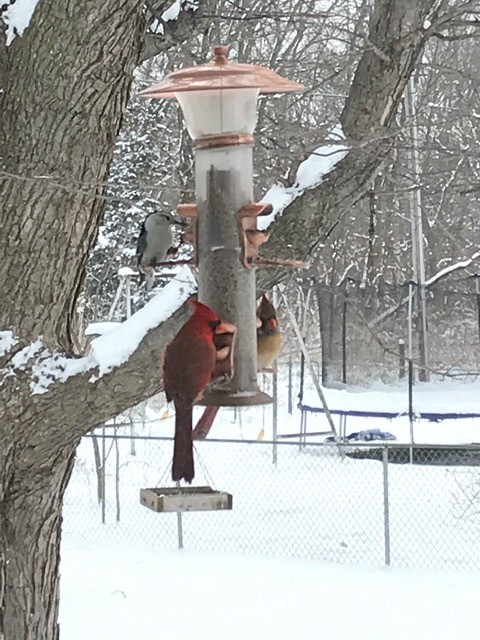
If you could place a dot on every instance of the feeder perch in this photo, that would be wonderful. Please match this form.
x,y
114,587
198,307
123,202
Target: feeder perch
x,y
175,499
190,212
250,237
225,348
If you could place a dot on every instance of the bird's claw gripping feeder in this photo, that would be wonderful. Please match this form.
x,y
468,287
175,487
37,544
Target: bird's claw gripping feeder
x,y
219,103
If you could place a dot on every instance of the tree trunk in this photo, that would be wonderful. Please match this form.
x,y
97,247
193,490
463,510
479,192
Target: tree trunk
x,y
331,301
30,543
65,85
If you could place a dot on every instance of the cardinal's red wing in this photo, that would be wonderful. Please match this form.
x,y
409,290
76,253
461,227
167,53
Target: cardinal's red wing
x,y
188,366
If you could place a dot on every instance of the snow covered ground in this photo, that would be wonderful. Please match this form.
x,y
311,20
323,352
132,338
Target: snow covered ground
x,y
132,582
124,593
310,504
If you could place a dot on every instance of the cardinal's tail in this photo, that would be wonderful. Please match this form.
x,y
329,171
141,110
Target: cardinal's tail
x,y
204,425
183,446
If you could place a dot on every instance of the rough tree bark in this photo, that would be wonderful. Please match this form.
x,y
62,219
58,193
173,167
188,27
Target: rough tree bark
x,y
64,86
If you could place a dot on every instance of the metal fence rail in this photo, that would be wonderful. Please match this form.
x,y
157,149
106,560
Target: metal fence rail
x,y
370,506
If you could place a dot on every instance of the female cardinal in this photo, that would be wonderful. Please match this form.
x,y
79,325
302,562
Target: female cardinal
x,y
187,369
269,341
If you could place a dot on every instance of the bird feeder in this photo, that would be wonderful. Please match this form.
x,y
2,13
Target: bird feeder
x,y
219,103
180,499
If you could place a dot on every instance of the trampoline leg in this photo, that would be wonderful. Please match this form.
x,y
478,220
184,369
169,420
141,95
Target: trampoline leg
x,y
302,428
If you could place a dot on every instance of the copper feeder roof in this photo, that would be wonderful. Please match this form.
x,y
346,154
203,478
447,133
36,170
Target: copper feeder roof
x,y
221,73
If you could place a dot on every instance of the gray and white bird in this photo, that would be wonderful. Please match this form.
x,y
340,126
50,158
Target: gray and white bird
x,y
155,243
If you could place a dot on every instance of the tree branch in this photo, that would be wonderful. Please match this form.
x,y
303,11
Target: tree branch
x,y
397,32
73,394
179,32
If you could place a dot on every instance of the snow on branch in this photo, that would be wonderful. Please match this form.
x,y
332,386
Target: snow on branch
x,y
16,15
107,352
44,367
99,328
310,174
172,13
452,267
428,283
115,347
7,342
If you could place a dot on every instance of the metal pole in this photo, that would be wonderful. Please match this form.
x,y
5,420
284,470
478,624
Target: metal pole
x,y
128,296
401,359
274,414
417,230
275,301
309,364
344,334
290,380
117,478
303,429
477,289
103,476
343,427
179,525
410,320
386,505
410,366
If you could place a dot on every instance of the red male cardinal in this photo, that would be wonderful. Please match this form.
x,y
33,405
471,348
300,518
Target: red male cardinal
x,y
269,341
187,369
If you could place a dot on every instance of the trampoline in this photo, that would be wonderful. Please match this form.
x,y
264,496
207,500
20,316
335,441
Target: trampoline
x,y
434,402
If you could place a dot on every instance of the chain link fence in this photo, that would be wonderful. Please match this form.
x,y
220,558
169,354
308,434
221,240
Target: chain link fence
x,y
361,504
364,333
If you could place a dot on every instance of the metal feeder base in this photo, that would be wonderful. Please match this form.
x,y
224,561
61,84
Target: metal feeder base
x,y
175,499
217,398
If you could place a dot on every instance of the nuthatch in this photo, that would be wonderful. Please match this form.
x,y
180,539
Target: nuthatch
x,y
155,244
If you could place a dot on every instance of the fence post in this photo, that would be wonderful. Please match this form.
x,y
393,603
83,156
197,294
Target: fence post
x,y
344,333
386,506
274,413
410,366
104,492
290,381
477,292
401,359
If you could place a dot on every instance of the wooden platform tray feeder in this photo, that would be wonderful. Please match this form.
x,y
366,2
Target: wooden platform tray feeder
x,y
179,499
